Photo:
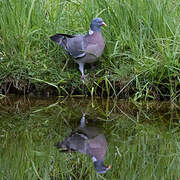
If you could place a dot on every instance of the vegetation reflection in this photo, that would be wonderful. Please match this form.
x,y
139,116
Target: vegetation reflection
x,y
143,139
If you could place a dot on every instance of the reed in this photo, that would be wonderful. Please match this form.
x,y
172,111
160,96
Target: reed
x,y
141,54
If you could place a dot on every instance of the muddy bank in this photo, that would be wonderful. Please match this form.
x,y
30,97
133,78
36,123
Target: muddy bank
x,y
119,89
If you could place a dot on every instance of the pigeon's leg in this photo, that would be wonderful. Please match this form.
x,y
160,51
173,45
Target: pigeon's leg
x,y
83,121
81,68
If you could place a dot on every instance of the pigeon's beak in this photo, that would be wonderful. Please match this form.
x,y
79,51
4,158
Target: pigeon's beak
x,y
104,24
108,167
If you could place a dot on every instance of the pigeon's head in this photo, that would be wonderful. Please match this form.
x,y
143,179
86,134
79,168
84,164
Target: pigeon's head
x,y
96,24
100,167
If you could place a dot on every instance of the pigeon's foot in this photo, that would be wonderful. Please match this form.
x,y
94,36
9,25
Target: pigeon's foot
x,y
84,77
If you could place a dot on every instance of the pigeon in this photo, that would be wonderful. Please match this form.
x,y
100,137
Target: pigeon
x,y
83,48
87,140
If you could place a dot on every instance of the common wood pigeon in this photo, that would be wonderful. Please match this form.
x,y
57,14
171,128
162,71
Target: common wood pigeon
x,y
83,48
87,140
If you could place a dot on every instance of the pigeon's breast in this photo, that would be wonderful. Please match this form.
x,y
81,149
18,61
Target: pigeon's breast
x,y
94,48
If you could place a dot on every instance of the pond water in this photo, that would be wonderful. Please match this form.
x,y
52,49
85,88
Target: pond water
x,y
138,140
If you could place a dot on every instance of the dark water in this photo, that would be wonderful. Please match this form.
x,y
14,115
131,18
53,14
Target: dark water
x,y
138,140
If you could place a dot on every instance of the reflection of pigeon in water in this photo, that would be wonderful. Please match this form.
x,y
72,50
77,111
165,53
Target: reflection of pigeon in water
x,y
87,140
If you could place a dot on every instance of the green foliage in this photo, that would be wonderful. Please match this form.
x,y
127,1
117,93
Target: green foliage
x,y
142,45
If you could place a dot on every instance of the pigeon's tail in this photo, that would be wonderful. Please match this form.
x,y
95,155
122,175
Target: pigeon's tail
x,y
59,36
61,39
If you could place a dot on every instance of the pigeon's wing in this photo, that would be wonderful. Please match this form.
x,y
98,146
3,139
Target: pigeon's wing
x,y
74,45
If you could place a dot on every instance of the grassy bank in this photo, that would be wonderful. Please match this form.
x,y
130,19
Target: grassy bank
x,y
141,58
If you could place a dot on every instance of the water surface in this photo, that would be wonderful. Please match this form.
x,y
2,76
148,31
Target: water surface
x,y
143,138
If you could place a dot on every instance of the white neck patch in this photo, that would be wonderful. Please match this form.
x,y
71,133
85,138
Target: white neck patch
x,y
94,159
91,32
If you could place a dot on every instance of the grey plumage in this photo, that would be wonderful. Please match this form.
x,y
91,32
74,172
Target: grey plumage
x,y
87,140
83,48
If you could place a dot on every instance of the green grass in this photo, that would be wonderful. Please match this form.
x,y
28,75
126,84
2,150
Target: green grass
x,y
143,141
141,58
